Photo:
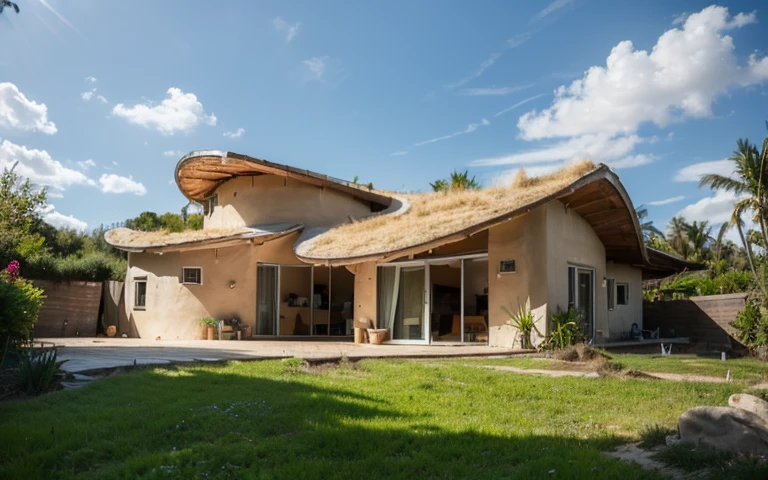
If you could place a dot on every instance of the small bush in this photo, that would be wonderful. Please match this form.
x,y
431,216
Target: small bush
x,y
564,330
20,304
294,365
37,369
655,435
752,325
93,266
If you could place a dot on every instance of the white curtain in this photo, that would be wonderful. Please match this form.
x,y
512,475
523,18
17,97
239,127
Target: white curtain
x,y
266,299
387,296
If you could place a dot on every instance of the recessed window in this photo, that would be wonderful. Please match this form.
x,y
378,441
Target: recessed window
x,y
192,275
140,293
622,294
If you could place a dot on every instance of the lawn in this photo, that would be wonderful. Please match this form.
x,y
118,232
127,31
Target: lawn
x,y
376,419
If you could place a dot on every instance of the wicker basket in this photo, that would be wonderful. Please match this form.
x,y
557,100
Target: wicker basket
x,y
377,336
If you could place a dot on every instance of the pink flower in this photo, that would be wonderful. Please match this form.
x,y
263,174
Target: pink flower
x,y
13,269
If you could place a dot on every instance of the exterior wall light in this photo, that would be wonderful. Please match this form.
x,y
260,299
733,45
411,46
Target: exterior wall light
x,y
232,284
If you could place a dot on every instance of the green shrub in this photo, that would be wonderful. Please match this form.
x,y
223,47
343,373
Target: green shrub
x,y
564,329
20,304
524,321
94,266
37,369
752,325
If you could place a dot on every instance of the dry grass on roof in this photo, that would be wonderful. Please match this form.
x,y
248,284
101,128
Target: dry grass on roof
x,y
436,215
125,237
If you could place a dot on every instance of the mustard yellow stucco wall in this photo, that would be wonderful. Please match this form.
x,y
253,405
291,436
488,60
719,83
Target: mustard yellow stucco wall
x,y
620,320
265,199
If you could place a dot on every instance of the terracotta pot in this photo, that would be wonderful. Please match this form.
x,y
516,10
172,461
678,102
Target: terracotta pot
x,y
111,331
210,333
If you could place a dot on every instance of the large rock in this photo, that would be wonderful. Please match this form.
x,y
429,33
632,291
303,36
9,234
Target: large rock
x,y
750,403
724,429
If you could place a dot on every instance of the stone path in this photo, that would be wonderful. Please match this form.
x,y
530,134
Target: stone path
x,y
547,373
633,453
85,355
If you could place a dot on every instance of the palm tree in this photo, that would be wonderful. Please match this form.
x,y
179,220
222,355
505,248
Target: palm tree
x,y
7,3
647,227
677,236
749,181
698,234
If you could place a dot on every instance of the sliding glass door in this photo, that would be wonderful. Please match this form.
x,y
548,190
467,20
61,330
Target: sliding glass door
x,y
581,297
266,299
401,302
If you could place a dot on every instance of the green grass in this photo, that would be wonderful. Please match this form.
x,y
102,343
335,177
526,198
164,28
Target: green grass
x,y
746,369
720,465
379,419
655,435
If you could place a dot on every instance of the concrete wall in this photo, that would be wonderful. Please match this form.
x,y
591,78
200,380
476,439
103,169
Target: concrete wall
x,y
265,199
365,291
620,320
572,242
173,309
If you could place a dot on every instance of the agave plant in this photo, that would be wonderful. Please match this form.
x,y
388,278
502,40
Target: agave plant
x,y
524,321
37,369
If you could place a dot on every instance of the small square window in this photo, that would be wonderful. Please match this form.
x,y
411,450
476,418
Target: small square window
x,y
140,293
192,275
622,294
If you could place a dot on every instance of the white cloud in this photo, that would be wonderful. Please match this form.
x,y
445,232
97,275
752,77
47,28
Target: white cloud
x,y
87,96
316,66
694,172
470,128
39,167
597,116
86,164
521,102
54,195
59,220
486,91
716,209
551,8
666,201
681,77
90,79
324,69
111,183
17,112
598,148
61,17
286,28
180,112
173,153
236,134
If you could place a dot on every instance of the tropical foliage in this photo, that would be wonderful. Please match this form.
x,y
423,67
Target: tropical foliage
x,y
20,304
564,329
523,321
457,181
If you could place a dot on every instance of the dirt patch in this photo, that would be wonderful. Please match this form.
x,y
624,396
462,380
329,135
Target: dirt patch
x,y
580,352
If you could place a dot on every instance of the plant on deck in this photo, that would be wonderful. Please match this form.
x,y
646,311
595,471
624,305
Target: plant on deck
x,y
524,321
208,322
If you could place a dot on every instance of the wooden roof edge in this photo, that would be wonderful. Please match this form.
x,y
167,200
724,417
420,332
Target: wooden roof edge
x,y
356,190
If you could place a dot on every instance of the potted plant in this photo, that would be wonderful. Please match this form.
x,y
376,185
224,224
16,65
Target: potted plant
x,y
524,321
209,323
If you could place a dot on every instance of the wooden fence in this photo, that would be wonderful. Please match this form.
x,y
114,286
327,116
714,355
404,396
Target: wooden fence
x,y
70,309
705,320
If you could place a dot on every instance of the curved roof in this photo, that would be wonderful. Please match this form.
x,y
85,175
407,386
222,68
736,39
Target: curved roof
x,y
138,241
594,192
198,174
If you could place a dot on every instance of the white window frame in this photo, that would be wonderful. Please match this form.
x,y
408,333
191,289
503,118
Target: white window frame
x,y
184,282
626,297
136,281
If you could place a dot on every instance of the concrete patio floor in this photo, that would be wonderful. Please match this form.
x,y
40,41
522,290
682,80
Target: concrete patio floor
x,y
90,354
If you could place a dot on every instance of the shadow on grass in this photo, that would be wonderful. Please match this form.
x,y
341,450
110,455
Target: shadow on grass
x,y
206,423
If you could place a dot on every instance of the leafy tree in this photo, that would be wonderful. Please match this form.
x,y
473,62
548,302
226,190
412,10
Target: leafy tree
x,y
145,222
171,222
20,204
195,221
698,235
9,4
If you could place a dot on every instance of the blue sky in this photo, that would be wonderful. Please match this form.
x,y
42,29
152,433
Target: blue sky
x,y
99,99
